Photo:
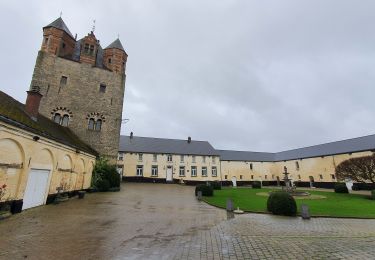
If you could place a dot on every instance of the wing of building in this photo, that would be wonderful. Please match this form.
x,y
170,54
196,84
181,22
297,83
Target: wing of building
x,y
158,159
37,156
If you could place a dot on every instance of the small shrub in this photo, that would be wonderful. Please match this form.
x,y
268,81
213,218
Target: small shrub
x,y
256,185
341,188
206,190
216,185
103,185
113,177
282,203
373,194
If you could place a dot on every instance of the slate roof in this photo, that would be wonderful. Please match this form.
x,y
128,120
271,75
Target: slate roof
x,y
115,45
169,146
359,144
228,155
12,112
59,24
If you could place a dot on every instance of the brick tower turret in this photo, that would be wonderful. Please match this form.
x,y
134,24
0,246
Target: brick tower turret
x,y
82,85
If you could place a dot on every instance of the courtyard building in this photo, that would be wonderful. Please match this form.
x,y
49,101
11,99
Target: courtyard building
x,y
167,160
145,159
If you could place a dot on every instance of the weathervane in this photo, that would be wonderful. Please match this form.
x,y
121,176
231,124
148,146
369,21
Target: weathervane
x,y
93,26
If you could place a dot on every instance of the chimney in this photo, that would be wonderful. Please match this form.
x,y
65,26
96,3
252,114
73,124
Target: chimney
x,y
33,102
131,135
189,139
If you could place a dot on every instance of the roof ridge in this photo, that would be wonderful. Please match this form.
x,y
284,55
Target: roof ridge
x,y
161,138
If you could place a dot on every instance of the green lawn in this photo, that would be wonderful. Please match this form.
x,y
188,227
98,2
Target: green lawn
x,y
335,205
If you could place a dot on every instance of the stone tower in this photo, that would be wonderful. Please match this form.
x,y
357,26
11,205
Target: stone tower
x,y
82,85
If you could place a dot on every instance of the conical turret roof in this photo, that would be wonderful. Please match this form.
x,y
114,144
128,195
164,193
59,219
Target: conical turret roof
x,y
59,24
115,45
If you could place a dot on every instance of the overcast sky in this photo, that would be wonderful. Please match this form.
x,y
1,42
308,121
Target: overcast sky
x,y
245,75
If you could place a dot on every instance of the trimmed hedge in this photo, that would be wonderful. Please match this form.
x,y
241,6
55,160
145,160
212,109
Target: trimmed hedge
x,y
216,185
341,188
206,190
281,203
373,194
256,185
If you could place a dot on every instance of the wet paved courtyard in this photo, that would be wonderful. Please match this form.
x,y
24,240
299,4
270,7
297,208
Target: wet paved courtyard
x,y
159,221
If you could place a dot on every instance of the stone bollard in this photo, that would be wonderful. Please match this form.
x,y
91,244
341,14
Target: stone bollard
x,y
305,212
230,206
199,195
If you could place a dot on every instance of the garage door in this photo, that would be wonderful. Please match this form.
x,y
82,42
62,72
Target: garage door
x,y
36,188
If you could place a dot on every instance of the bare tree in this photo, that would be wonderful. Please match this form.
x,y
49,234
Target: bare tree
x,y
359,169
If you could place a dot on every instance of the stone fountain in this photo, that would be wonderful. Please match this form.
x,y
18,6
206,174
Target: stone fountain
x,y
289,187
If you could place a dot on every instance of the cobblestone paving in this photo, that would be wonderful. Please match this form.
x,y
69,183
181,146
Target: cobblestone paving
x,y
158,221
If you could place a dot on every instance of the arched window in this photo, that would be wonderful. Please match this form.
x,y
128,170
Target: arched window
x,y
98,125
65,120
91,124
57,118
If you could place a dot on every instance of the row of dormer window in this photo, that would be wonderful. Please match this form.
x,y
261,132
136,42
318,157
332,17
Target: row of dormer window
x,y
169,158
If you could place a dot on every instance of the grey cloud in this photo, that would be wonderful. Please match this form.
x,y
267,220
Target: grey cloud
x,y
248,75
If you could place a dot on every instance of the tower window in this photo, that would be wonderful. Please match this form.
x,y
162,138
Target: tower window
x,y
91,50
46,40
87,48
91,124
63,45
102,88
65,120
109,60
98,125
61,120
63,80
57,118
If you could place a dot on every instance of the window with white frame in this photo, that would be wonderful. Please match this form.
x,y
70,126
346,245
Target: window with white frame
x,y
182,158
193,158
169,157
182,171
204,171
214,171
193,171
213,159
204,159
140,157
139,170
154,157
120,156
154,170
120,169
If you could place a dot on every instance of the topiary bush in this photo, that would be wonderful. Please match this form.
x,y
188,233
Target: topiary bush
x,y
341,188
216,185
282,203
207,191
373,194
256,185
103,185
